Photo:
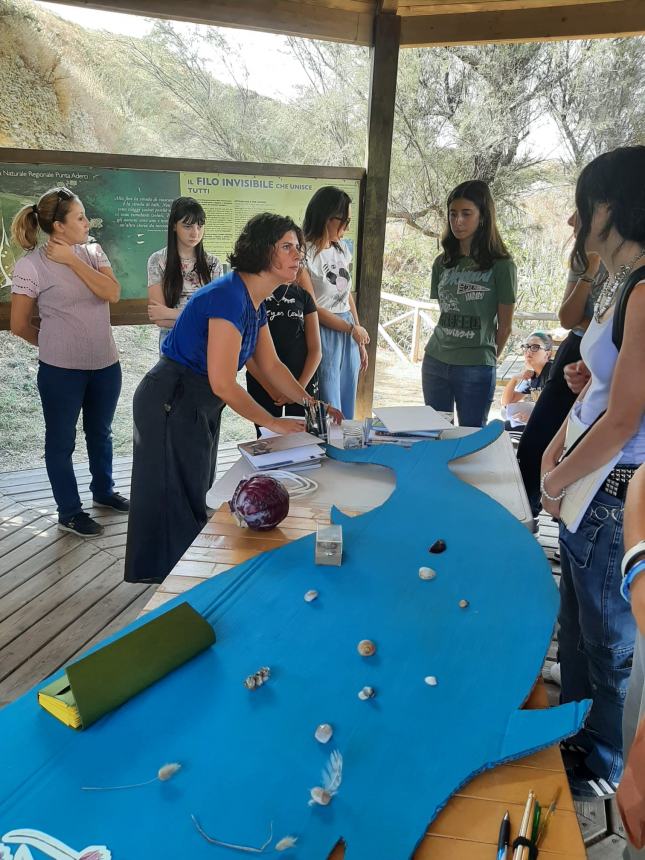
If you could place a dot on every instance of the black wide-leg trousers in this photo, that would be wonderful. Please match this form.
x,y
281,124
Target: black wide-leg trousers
x,y
176,431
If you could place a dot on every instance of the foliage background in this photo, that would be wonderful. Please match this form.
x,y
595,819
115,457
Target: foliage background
x,y
461,112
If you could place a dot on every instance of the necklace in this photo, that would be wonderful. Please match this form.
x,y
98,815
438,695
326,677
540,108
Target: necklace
x,y
612,285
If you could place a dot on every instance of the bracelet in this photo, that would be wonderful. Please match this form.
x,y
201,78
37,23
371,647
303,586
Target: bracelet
x,y
630,555
352,326
587,279
625,586
544,492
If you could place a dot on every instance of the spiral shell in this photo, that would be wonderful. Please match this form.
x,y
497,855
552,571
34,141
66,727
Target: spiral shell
x,y
366,648
366,693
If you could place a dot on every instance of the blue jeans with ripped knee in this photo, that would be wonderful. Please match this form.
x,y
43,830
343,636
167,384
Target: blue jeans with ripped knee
x,y
597,631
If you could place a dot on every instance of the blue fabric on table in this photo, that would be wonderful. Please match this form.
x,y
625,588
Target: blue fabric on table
x,y
250,758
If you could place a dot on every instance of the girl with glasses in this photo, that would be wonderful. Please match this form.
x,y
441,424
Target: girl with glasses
x,y
70,284
474,281
326,276
178,404
183,266
525,388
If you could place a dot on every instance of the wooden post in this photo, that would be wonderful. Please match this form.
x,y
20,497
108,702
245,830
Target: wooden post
x,y
385,60
416,330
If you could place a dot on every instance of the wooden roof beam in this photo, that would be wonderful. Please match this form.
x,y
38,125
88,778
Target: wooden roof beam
x,y
352,24
584,21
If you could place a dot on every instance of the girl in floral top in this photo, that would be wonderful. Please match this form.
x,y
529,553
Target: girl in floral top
x,y
183,266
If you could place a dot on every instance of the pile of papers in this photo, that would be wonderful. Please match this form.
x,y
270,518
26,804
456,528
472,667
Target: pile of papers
x,y
405,425
294,451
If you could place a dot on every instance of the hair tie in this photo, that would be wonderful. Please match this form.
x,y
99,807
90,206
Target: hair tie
x,y
34,208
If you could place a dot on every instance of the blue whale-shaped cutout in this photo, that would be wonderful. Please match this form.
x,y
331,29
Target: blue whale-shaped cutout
x,y
250,758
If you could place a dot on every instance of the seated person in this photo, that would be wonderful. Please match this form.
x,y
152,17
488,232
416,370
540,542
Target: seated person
x,y
522,391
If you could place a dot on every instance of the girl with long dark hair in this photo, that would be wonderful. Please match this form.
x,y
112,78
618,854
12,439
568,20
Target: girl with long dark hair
x,y
71,284
326,276
183,266
596,628
474,281
177,405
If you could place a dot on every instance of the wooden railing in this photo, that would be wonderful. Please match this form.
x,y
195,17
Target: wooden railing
x,y
418,313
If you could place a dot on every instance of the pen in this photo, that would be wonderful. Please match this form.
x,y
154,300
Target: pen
x,y
504,835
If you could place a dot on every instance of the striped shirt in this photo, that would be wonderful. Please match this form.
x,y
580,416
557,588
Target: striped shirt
x,y
75,331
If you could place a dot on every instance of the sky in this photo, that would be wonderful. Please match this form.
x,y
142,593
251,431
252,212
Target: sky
x,y
272,70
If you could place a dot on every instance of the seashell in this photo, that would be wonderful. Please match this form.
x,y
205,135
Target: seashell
x,y
320,796
366,648
311,595
427,573
437,547
366,693
323,733
430,680
463,604
285,843
257,678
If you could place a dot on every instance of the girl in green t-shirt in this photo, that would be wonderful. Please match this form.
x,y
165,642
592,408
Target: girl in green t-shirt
x,y
474,281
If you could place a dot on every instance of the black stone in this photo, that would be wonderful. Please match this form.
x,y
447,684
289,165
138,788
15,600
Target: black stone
x,y
438,546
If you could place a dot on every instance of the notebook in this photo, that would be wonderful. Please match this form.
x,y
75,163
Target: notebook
x,y
109,676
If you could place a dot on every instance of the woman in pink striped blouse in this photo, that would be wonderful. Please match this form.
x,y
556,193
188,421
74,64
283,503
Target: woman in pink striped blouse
x,y
70,284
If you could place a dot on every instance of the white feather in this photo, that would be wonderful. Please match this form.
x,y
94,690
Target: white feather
x,y
333,773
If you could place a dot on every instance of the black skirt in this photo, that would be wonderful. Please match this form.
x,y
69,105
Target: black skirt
x,y
176,431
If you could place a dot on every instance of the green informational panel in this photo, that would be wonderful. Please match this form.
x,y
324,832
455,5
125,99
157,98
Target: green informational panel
x,y
128,208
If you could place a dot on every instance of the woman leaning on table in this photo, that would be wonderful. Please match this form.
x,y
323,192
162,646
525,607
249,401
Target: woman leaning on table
x,y
596,636
70,284
178,403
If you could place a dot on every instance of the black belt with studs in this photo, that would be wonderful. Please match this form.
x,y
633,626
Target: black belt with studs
x,y
618,479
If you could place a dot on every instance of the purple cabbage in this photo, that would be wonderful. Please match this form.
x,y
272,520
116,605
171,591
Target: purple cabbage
x,y
261,502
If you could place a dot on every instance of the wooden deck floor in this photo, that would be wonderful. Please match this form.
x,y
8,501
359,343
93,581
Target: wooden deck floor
x,y
60,594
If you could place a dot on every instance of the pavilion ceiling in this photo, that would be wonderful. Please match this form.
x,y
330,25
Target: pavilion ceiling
x,y
423,22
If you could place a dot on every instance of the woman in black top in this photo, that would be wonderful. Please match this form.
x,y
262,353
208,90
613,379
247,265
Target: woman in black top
x,y
293,323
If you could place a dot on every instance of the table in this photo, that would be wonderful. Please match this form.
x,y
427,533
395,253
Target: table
x,y
467,828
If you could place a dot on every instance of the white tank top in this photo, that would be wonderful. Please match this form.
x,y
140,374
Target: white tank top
x,y
600,355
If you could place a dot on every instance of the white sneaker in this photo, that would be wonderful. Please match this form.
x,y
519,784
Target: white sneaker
x,y
551,673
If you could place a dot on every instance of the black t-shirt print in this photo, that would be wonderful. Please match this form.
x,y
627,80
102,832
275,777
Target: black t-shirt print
x,y
286,309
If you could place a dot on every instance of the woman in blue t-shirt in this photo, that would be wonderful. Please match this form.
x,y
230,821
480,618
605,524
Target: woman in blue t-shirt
x,y
178,404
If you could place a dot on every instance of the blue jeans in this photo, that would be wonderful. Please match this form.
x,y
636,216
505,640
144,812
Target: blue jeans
x,y
468,386
597,631
339,367
63,394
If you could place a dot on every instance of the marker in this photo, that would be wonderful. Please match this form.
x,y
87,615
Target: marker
x,y
504,836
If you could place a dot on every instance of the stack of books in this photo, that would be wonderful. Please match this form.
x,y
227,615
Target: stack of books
x,y
405,425
295,451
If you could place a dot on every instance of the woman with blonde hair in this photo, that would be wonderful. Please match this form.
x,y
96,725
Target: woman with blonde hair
x,y
70,284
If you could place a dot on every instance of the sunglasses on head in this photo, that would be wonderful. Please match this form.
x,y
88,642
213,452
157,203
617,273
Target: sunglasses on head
x,y
62,194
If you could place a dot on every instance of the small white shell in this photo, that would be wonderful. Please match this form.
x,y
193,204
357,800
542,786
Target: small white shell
x,y
366,693
311,595
320,796
285,843
366,648
463,604
323,733
427,573
430,680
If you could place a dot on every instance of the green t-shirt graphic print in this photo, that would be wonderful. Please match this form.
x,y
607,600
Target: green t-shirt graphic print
x,y
468,300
